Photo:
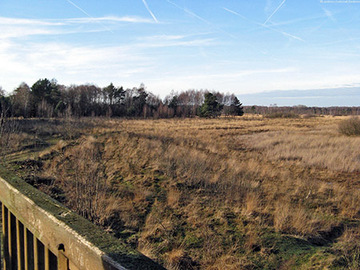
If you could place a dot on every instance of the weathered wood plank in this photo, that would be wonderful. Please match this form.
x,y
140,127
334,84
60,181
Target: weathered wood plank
x,y
4,236
26,253
85,245
19,245
36,253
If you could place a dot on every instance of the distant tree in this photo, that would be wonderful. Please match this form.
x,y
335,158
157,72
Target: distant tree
x,y
5,104
85,100
113,95
188,103
21,100
253,109
136,101
113,98
173,102
46,95
235,107
211,107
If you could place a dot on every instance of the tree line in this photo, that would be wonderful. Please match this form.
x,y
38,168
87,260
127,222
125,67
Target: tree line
x,y
301,110
47,98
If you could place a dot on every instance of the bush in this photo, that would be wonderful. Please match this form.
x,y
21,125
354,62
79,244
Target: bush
x,y
350,127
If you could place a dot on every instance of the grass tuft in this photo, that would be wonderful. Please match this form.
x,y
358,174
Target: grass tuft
x,y
350,127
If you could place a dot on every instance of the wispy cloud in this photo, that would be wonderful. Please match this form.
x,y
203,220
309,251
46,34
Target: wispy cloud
x,y
297,20
329,14
149,10
63,22
243,73
21,21
276,10
344,32
109,19
162,41
284,33
263,25
338,41
177,43
81,62
20,27
204,78
163,37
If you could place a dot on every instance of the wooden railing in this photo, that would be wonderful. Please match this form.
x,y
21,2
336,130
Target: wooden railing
x,y
38,233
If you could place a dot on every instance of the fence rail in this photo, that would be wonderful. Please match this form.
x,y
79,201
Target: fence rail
x,y
38,233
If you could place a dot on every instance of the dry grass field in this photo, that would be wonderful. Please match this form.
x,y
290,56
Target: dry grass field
x,y
227,193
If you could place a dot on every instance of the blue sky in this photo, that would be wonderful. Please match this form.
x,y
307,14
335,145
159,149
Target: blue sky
x,y
243,47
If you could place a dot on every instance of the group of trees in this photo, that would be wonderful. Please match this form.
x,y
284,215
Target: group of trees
x,y
47,98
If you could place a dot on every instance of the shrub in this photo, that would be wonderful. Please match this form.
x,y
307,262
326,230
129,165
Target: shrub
x,y
350,127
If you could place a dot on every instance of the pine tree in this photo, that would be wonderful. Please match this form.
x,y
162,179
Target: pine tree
x,y
211,107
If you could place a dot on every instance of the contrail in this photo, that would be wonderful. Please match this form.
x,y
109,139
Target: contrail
x,y
284,33
201,19
79,8
263,25
188,12
148,9
87,14
282,3
237,14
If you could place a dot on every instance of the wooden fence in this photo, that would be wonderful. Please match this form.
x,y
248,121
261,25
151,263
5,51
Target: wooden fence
x,y
38,233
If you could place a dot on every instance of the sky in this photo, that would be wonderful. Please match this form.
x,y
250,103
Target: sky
x,y
235,46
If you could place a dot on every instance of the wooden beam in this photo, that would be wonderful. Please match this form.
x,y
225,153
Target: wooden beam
x,y
36,253
26,251
19,245
47,259
9,236
4,236
63,262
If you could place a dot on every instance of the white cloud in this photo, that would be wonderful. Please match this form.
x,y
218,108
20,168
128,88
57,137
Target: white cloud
x,y
242,73
32,22
19,27
108,19
27,59
177,43
69,64
163,37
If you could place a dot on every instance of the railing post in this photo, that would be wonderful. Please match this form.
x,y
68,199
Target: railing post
x,y
63,261
47,259
20,244
26,252
31,235
1,240
36,253
9,234
2,247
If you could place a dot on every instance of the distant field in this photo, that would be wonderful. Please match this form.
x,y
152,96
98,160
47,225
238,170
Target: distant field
x,y
228,193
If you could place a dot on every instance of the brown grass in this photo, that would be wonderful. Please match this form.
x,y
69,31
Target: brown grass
x,y
210,193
